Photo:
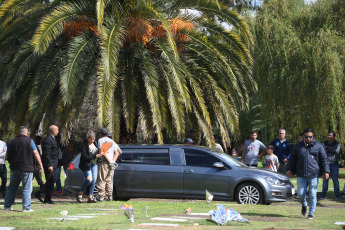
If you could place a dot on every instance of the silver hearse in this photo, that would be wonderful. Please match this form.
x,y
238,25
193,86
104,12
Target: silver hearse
x,y
185,172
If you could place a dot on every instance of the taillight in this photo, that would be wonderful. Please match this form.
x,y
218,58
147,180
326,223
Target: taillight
x,y
70,167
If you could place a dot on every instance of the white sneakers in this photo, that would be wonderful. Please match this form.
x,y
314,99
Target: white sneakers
x,y
28,210
24,210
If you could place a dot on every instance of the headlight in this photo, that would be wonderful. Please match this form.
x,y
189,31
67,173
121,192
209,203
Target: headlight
x,y
274,181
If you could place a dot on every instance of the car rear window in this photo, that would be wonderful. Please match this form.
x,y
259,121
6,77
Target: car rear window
x,y
145,156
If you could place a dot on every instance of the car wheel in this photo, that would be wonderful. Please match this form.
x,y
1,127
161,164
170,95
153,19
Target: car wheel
x,y
249,193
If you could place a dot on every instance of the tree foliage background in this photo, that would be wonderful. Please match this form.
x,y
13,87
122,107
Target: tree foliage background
x,y
299,67
153,62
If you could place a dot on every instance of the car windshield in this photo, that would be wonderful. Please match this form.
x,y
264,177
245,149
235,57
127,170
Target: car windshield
x,y
228,159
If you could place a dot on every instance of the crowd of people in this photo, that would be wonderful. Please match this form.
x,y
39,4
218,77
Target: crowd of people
x,y
27,161
308,160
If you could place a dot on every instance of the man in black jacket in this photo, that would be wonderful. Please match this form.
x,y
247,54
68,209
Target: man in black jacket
x,y
20,154
332,147
308,160
50,158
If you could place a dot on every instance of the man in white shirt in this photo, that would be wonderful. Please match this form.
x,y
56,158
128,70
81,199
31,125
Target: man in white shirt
x,y
106,166
3,170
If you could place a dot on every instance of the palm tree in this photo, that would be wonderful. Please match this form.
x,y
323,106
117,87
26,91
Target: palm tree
x,y
164,64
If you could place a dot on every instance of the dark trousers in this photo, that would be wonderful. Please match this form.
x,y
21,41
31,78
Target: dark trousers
x,y
50,180
3,176
282,168
38,177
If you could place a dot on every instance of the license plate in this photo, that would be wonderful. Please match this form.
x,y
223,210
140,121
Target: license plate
x,y
293,191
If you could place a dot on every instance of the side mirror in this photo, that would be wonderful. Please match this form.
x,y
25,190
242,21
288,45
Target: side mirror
x,y
218,165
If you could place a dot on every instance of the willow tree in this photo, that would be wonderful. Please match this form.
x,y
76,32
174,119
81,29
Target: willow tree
x,y
300,66
153,61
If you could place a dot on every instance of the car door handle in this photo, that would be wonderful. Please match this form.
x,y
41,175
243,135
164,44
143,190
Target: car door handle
x,y
188,171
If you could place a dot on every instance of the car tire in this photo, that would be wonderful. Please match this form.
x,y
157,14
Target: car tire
x,y
249,193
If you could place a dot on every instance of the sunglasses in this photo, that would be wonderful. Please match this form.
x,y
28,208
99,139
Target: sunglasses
x,y
306,137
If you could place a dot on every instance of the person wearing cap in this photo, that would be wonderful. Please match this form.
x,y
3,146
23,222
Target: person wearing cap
x,y
106,165
188,141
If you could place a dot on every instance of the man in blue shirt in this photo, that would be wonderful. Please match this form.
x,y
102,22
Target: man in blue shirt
x,y
282,149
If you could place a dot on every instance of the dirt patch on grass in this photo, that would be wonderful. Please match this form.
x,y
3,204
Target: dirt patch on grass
x,y
339,205
267,219
286,204
285,228
189,215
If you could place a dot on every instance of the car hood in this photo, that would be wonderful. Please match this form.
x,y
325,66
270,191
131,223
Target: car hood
x,y
264,172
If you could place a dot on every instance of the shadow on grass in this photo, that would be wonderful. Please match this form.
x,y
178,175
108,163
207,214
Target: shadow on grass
x,y
264,215
232,222
336,205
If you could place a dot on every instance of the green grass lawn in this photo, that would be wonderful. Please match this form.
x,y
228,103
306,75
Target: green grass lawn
x,y
279,216
285,215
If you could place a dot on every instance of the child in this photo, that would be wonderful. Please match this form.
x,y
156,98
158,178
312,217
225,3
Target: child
x,y
234,154
271,160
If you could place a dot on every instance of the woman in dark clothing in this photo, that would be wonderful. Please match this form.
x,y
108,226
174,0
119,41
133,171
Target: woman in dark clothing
x,y
88,158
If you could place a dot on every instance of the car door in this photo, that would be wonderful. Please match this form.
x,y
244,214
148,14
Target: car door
x,y
199,174
147,172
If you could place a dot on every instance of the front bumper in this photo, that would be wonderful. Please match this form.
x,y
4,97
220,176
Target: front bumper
x,y
280,193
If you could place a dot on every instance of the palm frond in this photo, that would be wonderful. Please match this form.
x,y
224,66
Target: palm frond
x,y
129,87
100,8
213,9
21,65
51,25
148,9
231,38
46,79
199,98
116,110
12,8
112,39
177,70
206,128
173,98
150,77
79,52
20,28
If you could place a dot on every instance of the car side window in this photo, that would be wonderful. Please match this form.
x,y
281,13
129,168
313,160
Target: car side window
x,y
145,156
199,158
